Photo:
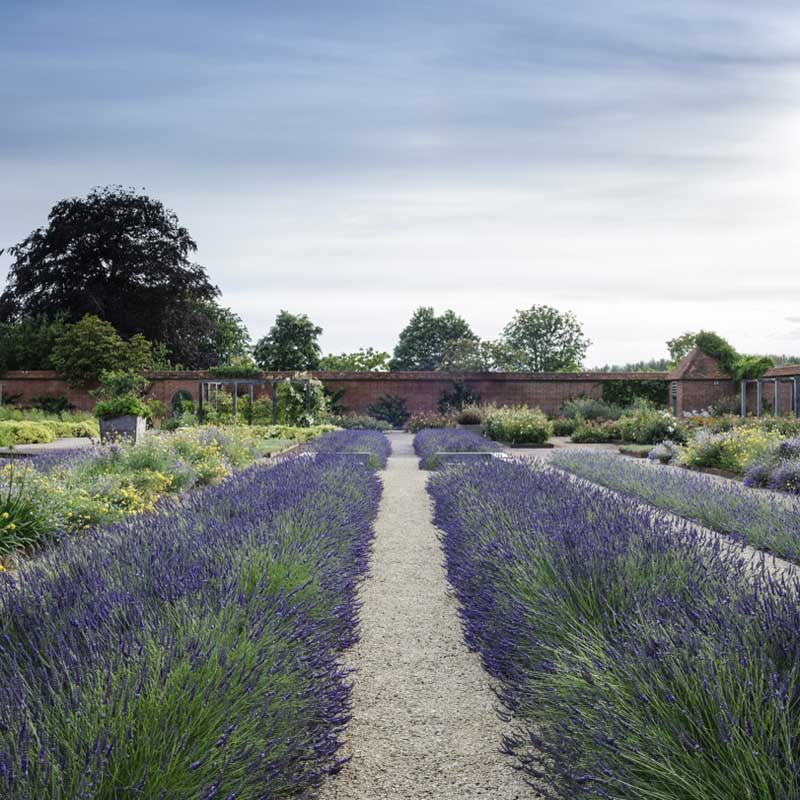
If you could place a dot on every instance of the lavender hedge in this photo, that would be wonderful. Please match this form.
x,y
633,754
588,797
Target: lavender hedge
x,y
639,661
356,441
761,519
189,654
431,441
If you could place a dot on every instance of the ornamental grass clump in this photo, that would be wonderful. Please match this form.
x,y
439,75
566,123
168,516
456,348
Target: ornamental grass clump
x,y
639,659
430,442
193,654
763,520
374,443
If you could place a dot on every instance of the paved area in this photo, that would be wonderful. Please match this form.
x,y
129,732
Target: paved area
x,y
58,446
424,721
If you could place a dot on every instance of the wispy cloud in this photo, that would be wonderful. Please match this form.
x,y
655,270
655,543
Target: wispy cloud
x,y
614,158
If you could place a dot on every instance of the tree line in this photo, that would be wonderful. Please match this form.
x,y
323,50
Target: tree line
x,y
110,280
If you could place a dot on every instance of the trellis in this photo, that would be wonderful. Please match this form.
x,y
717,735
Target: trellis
x,y
777,382
209,390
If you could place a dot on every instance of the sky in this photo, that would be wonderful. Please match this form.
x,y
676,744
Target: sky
x,y
632,161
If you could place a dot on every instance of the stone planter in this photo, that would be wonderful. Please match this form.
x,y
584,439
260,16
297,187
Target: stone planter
x,y
127,427
476,428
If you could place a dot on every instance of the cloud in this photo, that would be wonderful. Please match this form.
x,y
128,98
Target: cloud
x,y
626,160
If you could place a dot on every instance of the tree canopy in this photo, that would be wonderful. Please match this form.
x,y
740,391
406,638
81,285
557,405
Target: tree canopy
x,y
544,339
363,360
423,341
92,346
291,344
117,254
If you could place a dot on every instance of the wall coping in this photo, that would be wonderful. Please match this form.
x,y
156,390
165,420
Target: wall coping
x,y
198,375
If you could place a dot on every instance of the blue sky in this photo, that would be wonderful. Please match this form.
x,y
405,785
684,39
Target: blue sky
x,y
635,162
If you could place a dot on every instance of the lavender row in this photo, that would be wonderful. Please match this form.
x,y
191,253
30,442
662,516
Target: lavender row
x,y
189,654
637,661
374,443
763,520
429,442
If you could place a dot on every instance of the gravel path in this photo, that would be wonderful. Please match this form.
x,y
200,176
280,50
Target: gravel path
x,y
424,723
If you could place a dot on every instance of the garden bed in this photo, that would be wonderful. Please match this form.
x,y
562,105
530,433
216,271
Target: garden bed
x,y
190,654
623,640
764,520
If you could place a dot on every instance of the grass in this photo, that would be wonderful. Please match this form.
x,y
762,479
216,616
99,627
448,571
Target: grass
x,y
761,519
639,662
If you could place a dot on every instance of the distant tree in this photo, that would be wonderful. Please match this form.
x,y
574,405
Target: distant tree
x,y
206,334
651,365
28,344
544,339
681,346
116,254
422,342
468,355
363,360
291,344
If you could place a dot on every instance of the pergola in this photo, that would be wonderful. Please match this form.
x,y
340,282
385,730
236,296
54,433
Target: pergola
x,y
760,383
208,388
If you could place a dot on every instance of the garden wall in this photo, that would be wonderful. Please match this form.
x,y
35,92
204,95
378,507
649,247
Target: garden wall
x,y
696,382
421,390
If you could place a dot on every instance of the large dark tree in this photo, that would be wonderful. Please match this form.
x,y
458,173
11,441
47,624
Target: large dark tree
x,y
423,341
291,344
116,254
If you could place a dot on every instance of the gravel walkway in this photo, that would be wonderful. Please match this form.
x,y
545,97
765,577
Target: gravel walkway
x,y
424,722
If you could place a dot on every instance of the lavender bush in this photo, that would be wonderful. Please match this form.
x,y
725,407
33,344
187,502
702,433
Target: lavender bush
x,y
639,661
779,469
431,441
356,441
762,520
190,654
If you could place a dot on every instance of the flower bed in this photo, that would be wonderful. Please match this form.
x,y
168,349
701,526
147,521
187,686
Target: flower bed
x,y
356,441
762,520
518,425
639,661
190,654
430,442
779,469
78,491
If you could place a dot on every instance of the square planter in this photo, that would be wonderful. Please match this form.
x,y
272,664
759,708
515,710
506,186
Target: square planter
x,y
127,427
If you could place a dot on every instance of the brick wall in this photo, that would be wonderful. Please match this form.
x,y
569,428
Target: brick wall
x,y
421,390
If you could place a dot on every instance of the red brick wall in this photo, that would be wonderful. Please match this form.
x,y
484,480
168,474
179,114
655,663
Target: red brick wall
x,y
421,390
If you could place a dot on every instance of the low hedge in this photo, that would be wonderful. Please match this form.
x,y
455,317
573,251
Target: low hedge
x,y
15,433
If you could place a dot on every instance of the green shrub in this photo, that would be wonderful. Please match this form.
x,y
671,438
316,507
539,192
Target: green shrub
x,y
51,404
84,429
651,426
126,405
390,408
563,426
360,422
15,433
588,408
594,432
625,392
518,425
